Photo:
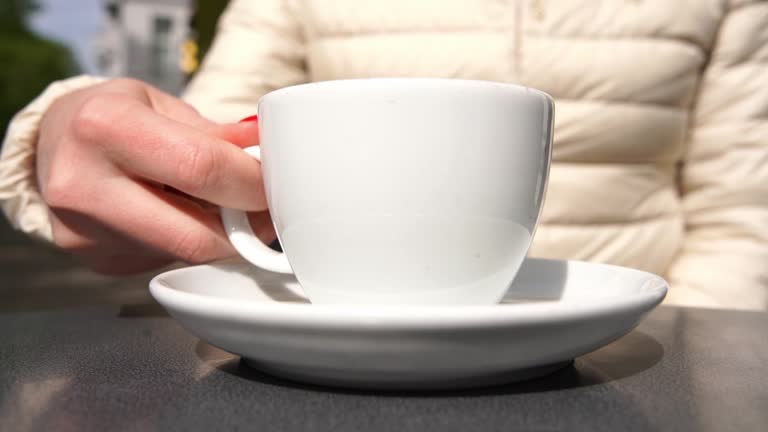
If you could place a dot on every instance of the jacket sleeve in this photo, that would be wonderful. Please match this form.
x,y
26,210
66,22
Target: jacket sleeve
x,y
258,47
724,177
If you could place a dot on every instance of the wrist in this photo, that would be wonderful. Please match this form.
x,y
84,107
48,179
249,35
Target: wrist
x,y
19,196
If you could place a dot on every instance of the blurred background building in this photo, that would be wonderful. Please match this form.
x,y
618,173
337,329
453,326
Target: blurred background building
x,y
151,40
157,41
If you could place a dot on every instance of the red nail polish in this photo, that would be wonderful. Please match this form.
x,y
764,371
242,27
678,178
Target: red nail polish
x,y
250,119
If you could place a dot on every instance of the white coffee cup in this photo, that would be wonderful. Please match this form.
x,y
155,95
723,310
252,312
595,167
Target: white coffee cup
x,y
400,190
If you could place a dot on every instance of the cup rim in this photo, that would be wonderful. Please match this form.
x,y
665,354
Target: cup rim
x,y
408,81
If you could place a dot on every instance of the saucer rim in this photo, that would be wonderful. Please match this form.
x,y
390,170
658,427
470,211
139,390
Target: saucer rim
x,y
653,291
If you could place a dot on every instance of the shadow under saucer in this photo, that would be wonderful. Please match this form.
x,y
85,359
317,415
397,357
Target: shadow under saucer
x,y
628,356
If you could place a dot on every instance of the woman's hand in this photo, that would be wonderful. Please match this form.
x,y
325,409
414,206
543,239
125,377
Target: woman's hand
x,y
133,178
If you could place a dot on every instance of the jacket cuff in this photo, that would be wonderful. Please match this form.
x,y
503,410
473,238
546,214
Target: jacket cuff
x,y
19,195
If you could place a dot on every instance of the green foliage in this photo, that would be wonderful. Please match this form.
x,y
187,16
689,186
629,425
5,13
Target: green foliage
x,y
206,16
29,63
13,12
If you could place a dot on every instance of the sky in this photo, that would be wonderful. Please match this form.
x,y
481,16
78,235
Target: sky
x,y
75,23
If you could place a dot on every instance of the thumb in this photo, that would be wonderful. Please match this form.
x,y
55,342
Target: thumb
x,y
242,134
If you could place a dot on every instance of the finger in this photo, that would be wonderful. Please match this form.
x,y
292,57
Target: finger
x,y
243,134
261,223
86,239
172,153
171,225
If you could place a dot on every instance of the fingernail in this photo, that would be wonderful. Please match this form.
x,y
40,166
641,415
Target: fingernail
x,y
252,118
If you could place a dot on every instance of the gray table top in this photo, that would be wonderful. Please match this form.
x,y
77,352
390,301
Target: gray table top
x,y
131,367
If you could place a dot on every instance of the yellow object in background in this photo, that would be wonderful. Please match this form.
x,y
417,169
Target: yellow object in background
x,y
189,61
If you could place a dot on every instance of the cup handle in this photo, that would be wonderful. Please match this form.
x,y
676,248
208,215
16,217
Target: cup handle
x,y
243,239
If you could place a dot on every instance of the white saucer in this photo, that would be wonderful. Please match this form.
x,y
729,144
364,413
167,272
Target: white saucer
x,y
554,311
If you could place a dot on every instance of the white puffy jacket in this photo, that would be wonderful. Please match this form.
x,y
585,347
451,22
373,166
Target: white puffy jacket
x,y
661,131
